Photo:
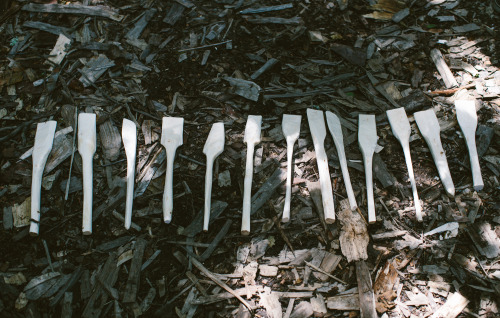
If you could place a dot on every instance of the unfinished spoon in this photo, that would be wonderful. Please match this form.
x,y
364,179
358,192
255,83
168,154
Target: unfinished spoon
x,y
171,139
129,136
252,137
429,128
467,119
212,149
291,131
318,132
44,139
367,139
87,141
401,129
335,128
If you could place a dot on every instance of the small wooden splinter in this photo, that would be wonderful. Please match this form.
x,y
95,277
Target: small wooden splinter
x,y
318,132
252,137
401,129
87,143
429,128
44,139
367,139
467,119
291,131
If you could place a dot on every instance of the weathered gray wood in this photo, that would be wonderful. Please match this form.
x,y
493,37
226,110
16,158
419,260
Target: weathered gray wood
x,y
267,189
96,11
75,277
365,290
54,29
211,248
140,25
343,302
145,175
135,272
108,275
116,197
174,14
196,226
353,237
7,218
66,310
111,140
443,69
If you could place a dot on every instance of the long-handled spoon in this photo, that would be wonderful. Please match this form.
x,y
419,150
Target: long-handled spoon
x,y
335,128
401,129
429,128
318,131
87,142
367,139
44,139
467,119
171,139
212,149
252,137
129,136
291,130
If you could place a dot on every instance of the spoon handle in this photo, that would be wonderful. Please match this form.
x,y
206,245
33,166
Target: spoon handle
x,y
208,192
288,194
130,191
477,178
247,191
369,187
87,193
168,202
409,166
326,184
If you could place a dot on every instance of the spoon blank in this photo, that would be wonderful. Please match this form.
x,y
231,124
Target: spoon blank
x,y
467,119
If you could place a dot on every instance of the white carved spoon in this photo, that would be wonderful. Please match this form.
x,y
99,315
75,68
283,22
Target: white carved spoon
x,y
401,129
318,131
129,136
252,137
44,139
335,128
212,149
367,139
429,128
291,131
467,119
171,139
87,142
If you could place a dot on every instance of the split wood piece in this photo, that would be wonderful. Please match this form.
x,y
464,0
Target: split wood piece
x,y
353,236
467,119
44,139
291,131
318,131
401,129
98,11
87,140
335,128
367,138
108,276
365,290
429,128
210,275
218,238
252,137
453,306
443,69
129,135
171,139
135,272
212,149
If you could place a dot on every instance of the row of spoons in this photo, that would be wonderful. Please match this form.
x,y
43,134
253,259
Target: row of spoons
x,y
172,138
